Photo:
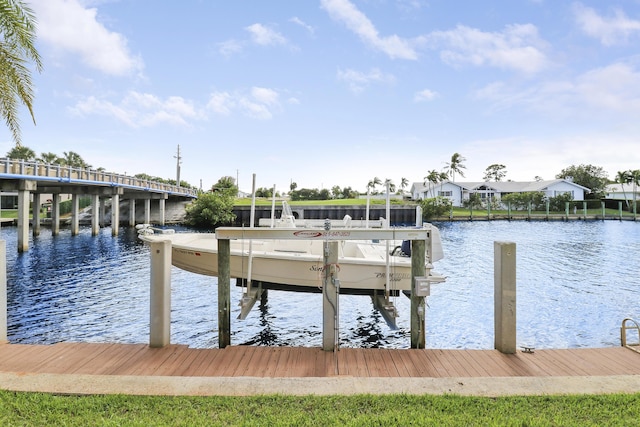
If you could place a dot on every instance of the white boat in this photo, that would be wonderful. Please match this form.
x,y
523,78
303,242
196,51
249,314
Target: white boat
x,y
298,264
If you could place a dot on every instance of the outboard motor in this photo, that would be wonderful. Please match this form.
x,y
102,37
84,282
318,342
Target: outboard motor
x,y
406,247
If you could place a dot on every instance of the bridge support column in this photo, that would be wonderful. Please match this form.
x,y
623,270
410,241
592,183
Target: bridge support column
x,y
160,298
36,207
132,212
161,208
55,215
147,211
115,214
95,215
75,213
23,220
103,212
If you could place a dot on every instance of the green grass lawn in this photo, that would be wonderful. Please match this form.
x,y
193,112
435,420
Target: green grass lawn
x,y
38,409
9,213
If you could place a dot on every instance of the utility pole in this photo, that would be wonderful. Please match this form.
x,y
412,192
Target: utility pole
x,y
179,160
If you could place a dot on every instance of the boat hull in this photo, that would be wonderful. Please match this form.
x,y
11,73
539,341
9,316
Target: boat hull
x,y
293,265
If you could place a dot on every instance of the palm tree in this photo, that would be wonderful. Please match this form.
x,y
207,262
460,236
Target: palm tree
x,y
432,177
73,159
404,182
392,186
455,166
635,179
49,158
20,152
372,184
17,48
622,178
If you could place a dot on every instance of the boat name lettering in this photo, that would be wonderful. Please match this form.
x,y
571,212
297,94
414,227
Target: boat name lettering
x,y
316,268
186,252
307,234
311,234
395,277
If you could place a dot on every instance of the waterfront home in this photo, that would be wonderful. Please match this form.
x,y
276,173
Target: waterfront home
x,y
622,192
458,192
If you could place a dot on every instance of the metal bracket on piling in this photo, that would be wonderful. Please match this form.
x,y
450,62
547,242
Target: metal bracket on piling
x,y
386,308
248,300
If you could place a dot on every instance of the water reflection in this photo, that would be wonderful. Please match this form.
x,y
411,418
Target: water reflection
x,y
575,285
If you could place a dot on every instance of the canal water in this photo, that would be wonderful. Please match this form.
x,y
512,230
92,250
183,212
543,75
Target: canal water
x,y
576,282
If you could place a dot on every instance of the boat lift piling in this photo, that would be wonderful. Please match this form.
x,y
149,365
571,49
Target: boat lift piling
x,y
330,298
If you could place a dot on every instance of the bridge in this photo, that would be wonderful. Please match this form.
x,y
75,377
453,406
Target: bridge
x,y
32,180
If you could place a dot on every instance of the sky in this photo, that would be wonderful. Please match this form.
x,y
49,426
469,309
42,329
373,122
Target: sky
x,y
337,92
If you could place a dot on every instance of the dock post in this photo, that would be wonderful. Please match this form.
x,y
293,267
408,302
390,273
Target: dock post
x,y
330,294
504,279
3,291
418,311
95,215
160,295
75,213
224,293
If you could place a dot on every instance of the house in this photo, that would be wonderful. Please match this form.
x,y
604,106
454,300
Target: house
x,y
622,192
458,192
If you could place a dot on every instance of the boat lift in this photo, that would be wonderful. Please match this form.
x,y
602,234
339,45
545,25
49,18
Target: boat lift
x,y
418,237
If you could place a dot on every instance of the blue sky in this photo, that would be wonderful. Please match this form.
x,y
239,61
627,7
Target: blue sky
x,y
337,92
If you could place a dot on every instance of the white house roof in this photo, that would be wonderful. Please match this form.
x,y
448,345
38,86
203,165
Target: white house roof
x,y
619,188
500,186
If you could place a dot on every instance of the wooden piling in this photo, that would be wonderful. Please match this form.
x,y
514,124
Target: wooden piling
x,y
417,302
160,294
330,294
504,278
224,293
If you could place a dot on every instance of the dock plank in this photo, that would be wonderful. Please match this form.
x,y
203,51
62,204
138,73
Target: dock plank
x,y
251,361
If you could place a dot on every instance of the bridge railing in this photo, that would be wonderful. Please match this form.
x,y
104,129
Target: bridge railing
x,y
22,169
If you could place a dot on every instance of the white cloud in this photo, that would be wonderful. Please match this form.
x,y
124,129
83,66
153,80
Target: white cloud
x,y
424,95
68,26
517,47
358,81
141,110
610,31
304,25
613,89
264,95
230,47
265,36
393,46
259,103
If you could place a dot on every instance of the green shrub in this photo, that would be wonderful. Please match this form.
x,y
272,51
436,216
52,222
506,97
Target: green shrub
x,y
210,210
435,207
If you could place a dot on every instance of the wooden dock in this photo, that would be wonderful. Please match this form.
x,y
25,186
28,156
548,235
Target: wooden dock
x,y
25,363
